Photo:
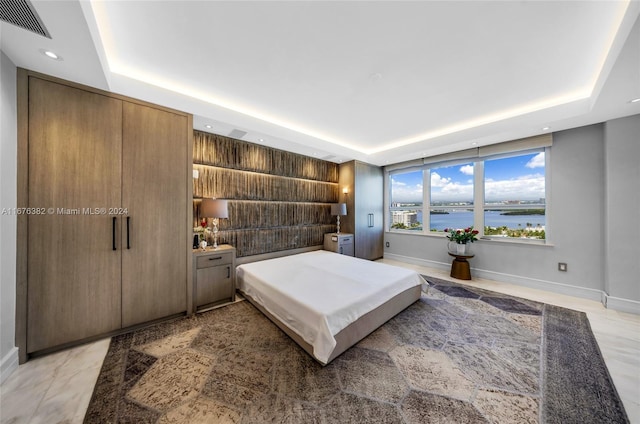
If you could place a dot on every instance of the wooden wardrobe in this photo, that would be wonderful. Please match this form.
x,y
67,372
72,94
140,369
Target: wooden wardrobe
x,y
364,207
105,243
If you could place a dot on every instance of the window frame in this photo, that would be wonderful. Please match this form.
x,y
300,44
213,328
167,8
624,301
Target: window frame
x,y
479,204
389,209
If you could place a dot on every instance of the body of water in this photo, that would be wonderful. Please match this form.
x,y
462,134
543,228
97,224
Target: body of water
x,y
464,219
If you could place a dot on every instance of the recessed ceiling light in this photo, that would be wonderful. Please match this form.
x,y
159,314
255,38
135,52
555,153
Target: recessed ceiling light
x,y
50,54
546,129
208,126
261,140
474,143
635,100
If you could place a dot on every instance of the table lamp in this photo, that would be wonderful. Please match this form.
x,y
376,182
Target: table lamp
x,y
338,209
216,209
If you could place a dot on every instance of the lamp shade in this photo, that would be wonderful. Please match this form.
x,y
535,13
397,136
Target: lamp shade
x,y
214,208
339,209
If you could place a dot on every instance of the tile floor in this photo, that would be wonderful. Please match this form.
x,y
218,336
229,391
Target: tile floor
x,y
57,388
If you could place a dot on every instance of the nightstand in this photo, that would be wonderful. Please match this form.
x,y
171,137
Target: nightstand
x,y
214,277
340,243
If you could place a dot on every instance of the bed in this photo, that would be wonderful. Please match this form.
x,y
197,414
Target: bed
x,y
325,301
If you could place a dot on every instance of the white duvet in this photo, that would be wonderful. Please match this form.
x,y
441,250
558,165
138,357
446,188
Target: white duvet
x,y
319,293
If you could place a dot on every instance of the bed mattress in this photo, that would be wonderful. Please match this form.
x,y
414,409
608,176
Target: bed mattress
x,y
318,294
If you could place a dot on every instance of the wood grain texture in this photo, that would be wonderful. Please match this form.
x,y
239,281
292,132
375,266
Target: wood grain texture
x,y
365,184
369,201
277,200
65,143
259,214
217,150
223,183
22,201
214,285
264,240
73,273
154,269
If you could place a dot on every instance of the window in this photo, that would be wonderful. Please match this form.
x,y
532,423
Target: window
x,y
500,190
514,196
451,197
406,201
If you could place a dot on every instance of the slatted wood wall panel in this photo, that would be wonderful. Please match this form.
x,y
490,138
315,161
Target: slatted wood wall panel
x,y
277,200
225,152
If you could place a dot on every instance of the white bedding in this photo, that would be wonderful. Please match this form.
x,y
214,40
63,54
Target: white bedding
x,y
319,293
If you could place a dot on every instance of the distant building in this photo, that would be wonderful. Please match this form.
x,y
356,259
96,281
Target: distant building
x,y
404,217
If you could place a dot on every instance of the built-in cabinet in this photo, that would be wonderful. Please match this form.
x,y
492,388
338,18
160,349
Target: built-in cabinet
x,y
364,200
340,243
105,244
214,276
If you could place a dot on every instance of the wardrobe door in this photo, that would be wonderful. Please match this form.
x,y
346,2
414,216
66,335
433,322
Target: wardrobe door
x,y
74,169
154,259
369,208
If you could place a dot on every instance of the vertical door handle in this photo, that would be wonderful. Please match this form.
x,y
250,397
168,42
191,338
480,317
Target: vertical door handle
x,y
370,220
128,243
113,233
228,272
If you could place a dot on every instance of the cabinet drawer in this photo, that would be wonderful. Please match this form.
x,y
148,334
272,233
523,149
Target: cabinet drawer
x,y
215,259
345,240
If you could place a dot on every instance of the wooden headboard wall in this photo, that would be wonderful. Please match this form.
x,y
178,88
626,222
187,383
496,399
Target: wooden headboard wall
x,y
277,200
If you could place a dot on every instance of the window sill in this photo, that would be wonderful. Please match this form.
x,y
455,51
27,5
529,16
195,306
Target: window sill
x,y
482,240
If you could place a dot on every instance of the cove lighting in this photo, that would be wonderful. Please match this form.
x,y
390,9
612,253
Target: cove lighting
x,y
119,66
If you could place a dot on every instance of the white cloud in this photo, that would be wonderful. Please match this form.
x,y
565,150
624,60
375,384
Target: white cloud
x,y
404,193
467,169
525,187
536,162
456,191
446,190
438,181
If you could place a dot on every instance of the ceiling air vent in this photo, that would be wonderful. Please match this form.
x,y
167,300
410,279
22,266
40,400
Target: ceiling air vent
x,y
237,134
21,13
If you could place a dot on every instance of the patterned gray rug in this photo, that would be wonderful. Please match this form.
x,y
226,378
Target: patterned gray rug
x,y
458,355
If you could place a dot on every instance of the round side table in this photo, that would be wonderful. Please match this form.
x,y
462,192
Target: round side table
x,y
460,267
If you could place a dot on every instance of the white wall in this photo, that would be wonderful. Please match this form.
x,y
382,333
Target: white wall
x,y
8,223
622,212
576,218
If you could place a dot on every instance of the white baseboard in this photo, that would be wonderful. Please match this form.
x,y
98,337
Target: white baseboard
x,y
518,280
9,364
417,261
534,283
622,305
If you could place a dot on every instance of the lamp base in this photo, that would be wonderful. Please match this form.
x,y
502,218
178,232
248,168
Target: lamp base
x,y
215,233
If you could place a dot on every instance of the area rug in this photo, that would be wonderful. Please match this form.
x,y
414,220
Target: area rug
x,y
457,355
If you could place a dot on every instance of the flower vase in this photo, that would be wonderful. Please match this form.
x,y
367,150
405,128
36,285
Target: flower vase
x,y
461,249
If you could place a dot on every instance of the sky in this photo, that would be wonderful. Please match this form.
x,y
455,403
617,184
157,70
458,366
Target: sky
x,y
513,178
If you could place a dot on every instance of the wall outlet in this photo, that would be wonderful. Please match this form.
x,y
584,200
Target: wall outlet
x,y
387,244
562,266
